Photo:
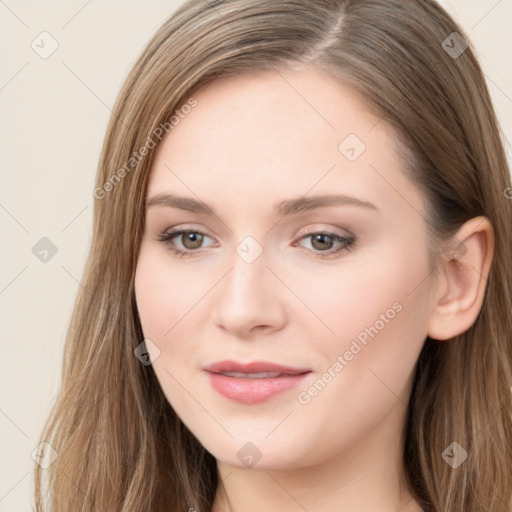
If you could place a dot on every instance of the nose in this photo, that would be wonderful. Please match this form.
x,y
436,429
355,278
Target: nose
x,y
250,298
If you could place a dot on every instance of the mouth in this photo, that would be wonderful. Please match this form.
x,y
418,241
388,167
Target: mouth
x,y
255,382
260,375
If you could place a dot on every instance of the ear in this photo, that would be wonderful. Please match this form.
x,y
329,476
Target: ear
x,y
461,288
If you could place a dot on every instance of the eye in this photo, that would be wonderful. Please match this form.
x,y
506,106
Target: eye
x,y
323,241
191,240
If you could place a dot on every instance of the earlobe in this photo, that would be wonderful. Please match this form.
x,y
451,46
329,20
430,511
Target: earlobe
x,y
465,268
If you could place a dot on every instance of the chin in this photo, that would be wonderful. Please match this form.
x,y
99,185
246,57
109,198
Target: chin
x,y
256,452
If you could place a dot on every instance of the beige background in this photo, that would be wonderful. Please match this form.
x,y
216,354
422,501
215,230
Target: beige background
x,y
54,115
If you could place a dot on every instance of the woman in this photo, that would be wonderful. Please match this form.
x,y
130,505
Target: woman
x,y
298,294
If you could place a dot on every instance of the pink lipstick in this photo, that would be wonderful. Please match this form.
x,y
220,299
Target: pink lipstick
x,y
254,382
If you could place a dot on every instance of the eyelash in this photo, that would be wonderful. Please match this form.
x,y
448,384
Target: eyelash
x,y
347,242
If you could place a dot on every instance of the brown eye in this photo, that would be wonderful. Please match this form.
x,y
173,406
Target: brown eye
x,y
183,242
323,245
322,241
191,239
189,242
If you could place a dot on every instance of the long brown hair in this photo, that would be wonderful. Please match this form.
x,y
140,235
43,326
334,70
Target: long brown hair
x,y
120,445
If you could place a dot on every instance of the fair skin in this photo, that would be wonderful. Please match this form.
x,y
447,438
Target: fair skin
x,y
253,141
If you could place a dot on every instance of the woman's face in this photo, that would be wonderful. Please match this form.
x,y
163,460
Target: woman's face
x,y
275,285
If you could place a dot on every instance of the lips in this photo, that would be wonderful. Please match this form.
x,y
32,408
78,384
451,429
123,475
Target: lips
x,y
255,367
255,382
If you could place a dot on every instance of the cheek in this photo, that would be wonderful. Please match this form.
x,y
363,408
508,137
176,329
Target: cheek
x,y
173,302
354,295
378,311
164,298
163,294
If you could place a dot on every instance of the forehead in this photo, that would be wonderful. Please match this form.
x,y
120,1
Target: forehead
x,y
256,115
264,133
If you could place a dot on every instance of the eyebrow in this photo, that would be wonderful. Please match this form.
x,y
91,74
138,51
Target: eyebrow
x,y
286,207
